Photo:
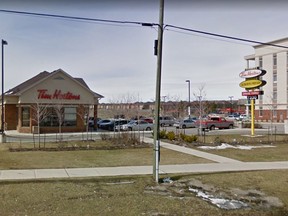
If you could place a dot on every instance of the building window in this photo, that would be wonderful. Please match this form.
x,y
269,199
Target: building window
x,y
70,116
274,113
25,116
261,111
65,116
275,96
274,77
260,62
274,59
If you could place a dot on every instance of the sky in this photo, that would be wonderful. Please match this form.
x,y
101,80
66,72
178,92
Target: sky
x,y
117,60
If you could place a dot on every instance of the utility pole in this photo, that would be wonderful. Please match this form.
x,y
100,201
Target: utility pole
x,y
158,93
2,96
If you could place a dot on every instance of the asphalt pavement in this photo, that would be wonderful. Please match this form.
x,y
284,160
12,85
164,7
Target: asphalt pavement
x,y
218,164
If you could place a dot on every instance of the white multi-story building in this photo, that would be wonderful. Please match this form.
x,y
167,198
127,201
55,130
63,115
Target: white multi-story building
x,y
273,105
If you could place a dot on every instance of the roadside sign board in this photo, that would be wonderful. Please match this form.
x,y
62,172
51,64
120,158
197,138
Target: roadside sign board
x,y
252,73
252,93
252,97
252,83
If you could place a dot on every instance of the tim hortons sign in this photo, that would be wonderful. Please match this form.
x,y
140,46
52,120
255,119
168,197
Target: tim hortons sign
x,y
251,84
252,93
57,94
252,73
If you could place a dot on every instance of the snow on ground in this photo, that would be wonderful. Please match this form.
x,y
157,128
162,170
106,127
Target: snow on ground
x,y
242,147
219,202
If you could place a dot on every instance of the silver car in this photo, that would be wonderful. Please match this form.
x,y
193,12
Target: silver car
x,y
186,123
137,125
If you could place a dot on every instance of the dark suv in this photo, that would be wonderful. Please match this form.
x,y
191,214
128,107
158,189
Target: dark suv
x,y
112,123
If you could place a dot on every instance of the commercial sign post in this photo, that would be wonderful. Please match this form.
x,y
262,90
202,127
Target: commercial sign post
x,y
252,84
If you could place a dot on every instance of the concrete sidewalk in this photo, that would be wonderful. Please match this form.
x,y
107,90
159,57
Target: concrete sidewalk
x,y
34,174
222,164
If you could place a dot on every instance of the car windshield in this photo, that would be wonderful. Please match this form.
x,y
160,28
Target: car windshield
x,y
132,122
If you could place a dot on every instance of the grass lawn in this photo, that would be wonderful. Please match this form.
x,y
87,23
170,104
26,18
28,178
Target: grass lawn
x,y
277,153
141,196
90,158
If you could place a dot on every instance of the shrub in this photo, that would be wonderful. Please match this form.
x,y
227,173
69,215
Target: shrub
x,y
171,135
163,134
188,138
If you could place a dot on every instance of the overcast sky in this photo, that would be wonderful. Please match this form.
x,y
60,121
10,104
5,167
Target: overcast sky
x,y
117,60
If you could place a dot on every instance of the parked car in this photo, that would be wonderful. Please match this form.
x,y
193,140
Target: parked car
x,y
91,121
149,120
166,121
214,122
111,124
186,123
136,125
243,117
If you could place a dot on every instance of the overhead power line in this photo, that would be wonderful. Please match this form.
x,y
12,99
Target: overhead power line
x,y
140,23
225,36
70,17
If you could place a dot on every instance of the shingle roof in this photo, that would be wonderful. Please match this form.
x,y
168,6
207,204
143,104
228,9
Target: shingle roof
x,y
28,83
41,76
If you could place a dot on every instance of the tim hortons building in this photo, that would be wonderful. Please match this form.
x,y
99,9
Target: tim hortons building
x,y
49,102
273,105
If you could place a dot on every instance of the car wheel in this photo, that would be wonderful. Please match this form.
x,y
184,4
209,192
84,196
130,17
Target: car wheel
x,y
129,129
162,125
183,126
212,127
148,129
230,126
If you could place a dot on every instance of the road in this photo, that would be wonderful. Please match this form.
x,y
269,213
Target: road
x,y
14,136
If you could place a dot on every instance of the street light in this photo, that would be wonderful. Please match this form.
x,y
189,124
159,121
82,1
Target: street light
x,y
2,95
189,109
231,98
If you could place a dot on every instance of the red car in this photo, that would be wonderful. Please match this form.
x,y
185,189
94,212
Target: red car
x,y
149,120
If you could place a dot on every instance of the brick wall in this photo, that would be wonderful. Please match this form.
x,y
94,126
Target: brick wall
x,y
266,116
11,116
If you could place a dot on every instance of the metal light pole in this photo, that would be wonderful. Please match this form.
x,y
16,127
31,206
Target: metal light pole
x,y
189,108
231,98
2,95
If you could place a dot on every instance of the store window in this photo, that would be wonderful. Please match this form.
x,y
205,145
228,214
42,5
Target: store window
x,y
25,116
70,116
66,116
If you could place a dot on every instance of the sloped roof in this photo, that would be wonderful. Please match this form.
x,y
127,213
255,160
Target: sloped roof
x,y
28,83
41,76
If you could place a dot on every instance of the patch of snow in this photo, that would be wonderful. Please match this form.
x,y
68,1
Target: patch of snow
x,y
241,147
219,202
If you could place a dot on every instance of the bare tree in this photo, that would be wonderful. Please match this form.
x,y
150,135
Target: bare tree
x,y
59,111
39,112
175,106
83,114
272,106
124,105
200,106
